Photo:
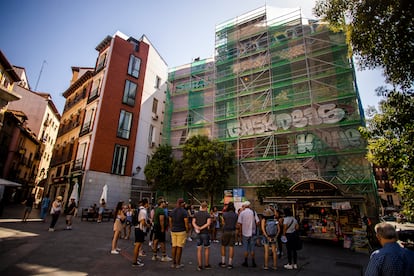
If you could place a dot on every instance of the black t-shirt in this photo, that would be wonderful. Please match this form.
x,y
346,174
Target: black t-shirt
x,y
201,218
230,221
178,215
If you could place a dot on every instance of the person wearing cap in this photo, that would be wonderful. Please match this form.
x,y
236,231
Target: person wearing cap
x,y
70,211
179,228
270,229
55,212
247,222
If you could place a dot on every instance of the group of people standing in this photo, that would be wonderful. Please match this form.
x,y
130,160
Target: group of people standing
x,y
180,221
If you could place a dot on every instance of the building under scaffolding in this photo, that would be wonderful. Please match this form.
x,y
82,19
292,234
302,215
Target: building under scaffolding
x,y
282,91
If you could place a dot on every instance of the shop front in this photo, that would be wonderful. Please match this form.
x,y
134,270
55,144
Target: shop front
x,y
325,212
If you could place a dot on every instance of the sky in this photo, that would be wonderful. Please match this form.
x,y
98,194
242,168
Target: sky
x,y
61,34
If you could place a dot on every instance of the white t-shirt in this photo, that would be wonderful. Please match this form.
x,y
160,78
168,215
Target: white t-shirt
x,y
248,220
142,216
288,221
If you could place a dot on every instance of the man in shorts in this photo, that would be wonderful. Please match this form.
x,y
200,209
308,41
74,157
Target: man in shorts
x,y
160,226
229,235
248,221
201,223
140,232
179,228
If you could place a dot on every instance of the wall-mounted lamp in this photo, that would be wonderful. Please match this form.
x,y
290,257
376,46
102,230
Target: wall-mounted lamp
x,y
137,170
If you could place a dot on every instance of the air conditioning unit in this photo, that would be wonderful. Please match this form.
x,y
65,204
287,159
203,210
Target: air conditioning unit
x,y
154,117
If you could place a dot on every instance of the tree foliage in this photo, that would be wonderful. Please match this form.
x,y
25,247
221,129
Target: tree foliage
x,y
274,187
390,135
381,33
160,169
206,165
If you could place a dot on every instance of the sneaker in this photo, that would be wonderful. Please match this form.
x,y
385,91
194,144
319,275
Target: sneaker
x,y
222,264
51,230
172,266
295,266
245,264
199,268
189,239
207,267
179,266
254,264
266,268
142,254
118,249
288,266
114,252
150,244
166,259
137,264
275,268
230,266
155,258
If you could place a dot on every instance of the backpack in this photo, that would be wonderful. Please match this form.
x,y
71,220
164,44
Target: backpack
x,y
135,214
271,227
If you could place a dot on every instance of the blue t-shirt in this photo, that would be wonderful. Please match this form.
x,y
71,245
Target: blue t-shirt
x,y
177,216
230,221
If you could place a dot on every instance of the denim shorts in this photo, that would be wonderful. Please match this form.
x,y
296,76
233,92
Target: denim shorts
x,y
249,243
203,239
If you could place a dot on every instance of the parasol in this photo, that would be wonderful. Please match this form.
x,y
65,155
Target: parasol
x,y
104,193
75,192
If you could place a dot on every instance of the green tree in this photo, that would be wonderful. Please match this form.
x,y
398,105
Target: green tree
x,y
274,187
206,165
160,169
381,33
390,135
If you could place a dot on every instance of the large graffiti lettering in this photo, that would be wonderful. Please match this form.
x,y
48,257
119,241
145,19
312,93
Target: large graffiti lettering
x,y
325,114
339,139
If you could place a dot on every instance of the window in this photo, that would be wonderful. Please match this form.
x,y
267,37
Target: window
x,y
157,82
124,125
119,161
133,66
130,92
95,89
154,106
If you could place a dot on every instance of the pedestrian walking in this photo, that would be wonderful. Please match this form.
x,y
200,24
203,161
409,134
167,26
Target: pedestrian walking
x,y
140,232
55,212
229,235
290,226
270,229
28,203
44,207
179,228
248,221
70,212
118,227
201,223
159,228
391,259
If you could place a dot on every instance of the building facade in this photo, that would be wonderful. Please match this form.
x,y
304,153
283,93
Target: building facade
x,y
282,91
43,120
128,76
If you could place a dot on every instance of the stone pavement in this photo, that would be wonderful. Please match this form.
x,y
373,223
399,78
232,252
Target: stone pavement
x,y
29,249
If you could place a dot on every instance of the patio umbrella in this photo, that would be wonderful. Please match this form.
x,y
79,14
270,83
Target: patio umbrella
x,y
75,192
104,193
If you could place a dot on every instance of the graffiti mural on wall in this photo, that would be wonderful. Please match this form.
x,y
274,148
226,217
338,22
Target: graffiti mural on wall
x,y
307,140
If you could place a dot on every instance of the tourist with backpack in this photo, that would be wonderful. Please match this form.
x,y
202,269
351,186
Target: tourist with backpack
x,y
270,228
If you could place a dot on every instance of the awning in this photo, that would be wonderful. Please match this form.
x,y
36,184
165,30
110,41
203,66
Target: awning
x,y
5,182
